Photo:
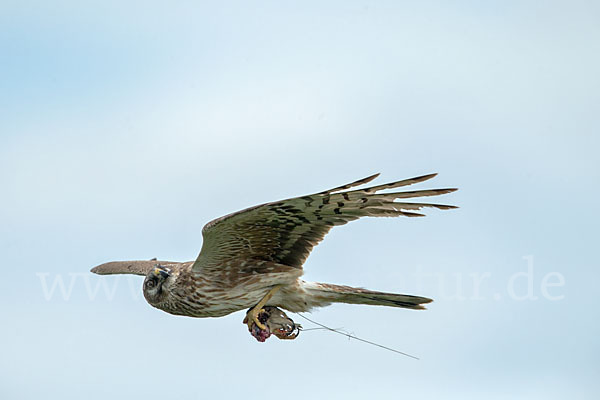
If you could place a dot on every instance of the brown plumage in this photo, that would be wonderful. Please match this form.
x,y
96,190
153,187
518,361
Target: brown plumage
x,y
246,254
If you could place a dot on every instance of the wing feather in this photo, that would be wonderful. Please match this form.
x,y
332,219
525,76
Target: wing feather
x,y
285,231
140,267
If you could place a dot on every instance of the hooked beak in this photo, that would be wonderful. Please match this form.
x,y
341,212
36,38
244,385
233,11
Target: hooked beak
x,y
164,272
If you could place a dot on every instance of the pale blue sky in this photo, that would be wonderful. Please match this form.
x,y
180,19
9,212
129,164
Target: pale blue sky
x,y
125,127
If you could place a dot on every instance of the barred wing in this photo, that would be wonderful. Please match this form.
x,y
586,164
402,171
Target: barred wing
x,y
285,231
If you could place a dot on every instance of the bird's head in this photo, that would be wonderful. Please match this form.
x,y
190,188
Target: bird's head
x,y
156,284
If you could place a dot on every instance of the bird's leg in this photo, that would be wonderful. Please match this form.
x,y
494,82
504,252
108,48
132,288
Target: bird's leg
x,y
253,313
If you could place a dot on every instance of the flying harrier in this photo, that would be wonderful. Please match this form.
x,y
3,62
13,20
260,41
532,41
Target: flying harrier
x,y
253,258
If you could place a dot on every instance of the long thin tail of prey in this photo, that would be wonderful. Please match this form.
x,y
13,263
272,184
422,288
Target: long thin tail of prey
x,y
329,293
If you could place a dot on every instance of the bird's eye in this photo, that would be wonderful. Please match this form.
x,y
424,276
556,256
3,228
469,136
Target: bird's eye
x,y
151,283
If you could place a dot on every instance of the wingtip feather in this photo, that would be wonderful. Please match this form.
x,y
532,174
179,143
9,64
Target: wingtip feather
x,y
426,177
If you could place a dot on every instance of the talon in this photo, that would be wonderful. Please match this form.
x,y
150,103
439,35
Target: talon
x,y
256,321
257,317
252,317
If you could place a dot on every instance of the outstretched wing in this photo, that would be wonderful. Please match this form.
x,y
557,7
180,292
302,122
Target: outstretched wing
x,y
139,267
285,231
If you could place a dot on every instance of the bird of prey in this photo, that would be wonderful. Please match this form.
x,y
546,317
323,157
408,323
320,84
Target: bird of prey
x,y
252,259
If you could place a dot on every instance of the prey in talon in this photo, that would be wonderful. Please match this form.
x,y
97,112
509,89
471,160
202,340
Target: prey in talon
x,y
253,259
272,321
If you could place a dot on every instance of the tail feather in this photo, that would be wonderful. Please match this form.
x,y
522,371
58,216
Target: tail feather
x,y
346,294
